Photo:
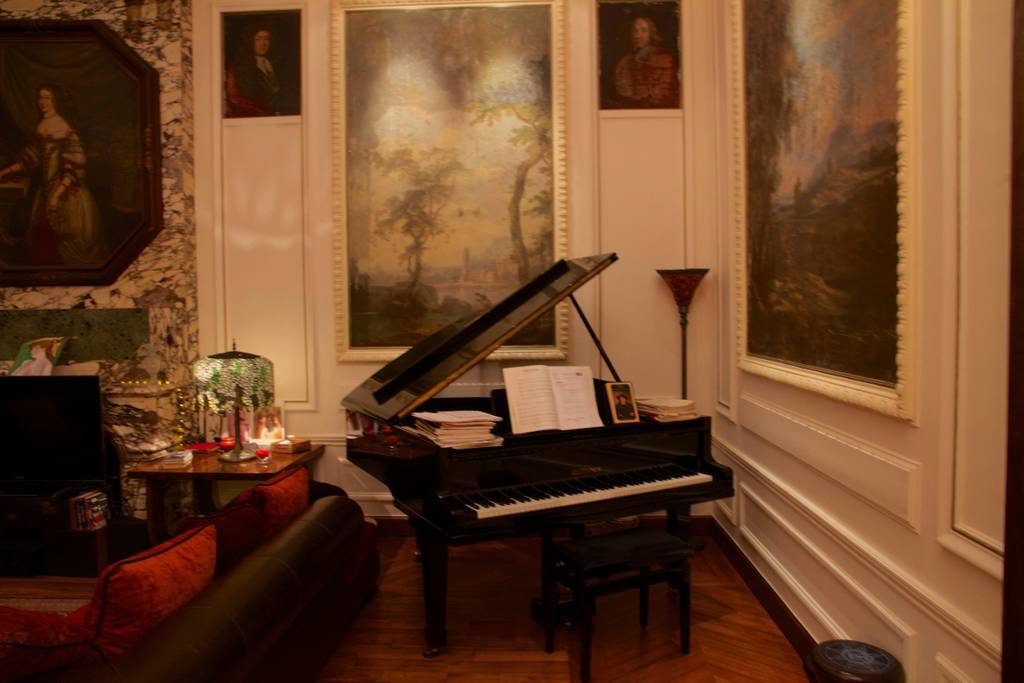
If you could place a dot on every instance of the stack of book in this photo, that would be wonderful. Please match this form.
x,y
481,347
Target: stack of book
x,y
666,409
457,428
88,511
177,459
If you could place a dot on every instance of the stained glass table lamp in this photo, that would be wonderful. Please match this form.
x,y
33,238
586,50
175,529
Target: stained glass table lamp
x,y
234,380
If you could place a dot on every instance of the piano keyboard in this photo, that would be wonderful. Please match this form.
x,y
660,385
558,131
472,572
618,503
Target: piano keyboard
x,y
514,500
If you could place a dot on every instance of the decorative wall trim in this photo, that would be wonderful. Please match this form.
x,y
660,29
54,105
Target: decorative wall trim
x,y
902,630
885,480
949,671
967,631
896,401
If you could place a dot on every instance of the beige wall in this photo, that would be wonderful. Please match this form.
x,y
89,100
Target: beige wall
x,y
868,526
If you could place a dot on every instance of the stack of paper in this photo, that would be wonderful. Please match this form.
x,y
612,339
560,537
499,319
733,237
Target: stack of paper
x,y
177,459
457,428
666,409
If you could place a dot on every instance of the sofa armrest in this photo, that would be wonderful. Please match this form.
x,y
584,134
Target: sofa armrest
x,y
221,634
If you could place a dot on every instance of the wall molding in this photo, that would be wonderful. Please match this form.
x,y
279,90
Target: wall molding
x,y
966,630
880,478
949,671
906,634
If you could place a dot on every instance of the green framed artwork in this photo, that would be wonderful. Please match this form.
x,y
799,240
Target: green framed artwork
x,y
824,259
450,180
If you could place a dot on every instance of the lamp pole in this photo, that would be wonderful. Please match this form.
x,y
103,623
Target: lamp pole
x,y
683,283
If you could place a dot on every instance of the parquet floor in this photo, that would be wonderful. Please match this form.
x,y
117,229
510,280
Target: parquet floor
x,y
491,638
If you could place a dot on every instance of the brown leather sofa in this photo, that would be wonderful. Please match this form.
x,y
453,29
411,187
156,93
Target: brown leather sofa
x,y
276,616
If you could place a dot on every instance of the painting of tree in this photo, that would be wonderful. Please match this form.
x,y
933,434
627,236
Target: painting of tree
x,y
821,103
451,180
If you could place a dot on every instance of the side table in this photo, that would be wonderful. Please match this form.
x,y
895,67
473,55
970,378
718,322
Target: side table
x,y
204,470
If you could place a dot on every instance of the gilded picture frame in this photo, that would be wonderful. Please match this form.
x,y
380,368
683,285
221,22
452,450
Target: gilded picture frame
x,y
801,321
80,188
449,168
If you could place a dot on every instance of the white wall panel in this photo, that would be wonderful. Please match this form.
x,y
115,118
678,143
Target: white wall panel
x,y
984,305
641,200
844,607
264,246
882,479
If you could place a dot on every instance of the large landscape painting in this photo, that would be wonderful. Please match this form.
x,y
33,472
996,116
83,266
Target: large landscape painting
x,y
451,180
822,185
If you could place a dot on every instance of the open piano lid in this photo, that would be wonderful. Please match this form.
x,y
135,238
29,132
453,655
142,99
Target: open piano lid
x,y
440,359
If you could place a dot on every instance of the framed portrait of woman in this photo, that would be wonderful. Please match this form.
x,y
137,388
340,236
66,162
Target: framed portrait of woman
x,y
80,193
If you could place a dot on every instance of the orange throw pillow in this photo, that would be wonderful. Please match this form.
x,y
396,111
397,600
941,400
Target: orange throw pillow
x,y
134,595
31,642
281,498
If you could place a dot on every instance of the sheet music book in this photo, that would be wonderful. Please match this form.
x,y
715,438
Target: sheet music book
x,y
550,397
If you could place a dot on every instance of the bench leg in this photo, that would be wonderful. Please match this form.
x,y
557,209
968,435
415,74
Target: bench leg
x,y
684,608
586,608
549,594
644,597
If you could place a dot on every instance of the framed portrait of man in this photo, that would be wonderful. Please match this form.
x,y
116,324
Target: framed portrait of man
x,y
80,192
639,55
262,64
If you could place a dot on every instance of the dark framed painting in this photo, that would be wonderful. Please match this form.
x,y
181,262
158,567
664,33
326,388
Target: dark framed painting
x,y
639,54
262,63
79,154
450,162
825,258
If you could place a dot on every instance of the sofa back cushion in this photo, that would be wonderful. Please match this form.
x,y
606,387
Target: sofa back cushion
x,y
134,595
31,642
239,530
281,498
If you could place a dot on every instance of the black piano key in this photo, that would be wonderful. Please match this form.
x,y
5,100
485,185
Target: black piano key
x,y
479,500
464,500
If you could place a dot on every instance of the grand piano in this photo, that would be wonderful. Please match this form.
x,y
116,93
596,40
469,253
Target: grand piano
x,y
533,483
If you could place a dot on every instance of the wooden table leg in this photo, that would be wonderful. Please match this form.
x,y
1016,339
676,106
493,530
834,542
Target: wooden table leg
x,y
156,519
434,565
202,495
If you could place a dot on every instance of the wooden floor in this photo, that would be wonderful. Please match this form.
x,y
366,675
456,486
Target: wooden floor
x,y
492,639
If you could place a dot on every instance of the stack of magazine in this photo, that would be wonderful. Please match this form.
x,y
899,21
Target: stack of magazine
x,y
666,409
177,459
457,428
88,511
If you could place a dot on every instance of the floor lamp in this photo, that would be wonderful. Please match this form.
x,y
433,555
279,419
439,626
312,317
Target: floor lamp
x,y
683,283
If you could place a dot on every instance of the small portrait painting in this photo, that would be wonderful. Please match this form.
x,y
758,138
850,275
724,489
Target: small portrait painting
x,y
639,54
262,64
621,402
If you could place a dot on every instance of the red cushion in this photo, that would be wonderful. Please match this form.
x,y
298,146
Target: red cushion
x,y
36,641
239,530
137,593
281,498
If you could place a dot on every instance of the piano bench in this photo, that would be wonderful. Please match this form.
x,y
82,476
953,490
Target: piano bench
x,y
636,558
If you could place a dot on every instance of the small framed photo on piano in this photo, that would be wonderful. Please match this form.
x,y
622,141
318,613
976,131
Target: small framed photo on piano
x,y
621,402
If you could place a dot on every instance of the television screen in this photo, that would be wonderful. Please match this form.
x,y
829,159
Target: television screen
x,y
51,429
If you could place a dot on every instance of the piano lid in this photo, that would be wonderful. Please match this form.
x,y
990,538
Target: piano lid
x,y
440,359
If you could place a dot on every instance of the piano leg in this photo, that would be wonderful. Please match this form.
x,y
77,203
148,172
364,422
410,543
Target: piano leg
x,y
434,565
